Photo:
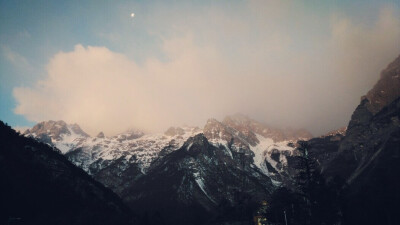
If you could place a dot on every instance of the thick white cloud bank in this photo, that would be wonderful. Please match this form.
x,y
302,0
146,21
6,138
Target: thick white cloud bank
x,y
100,89
265,74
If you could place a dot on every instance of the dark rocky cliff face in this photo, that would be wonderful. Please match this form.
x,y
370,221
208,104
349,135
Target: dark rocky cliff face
x,y
40,186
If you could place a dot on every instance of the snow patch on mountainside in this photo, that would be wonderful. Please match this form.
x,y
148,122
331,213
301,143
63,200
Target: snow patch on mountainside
x,y
69,141
201,185
141,150
222,143
132,146
260,152
263,151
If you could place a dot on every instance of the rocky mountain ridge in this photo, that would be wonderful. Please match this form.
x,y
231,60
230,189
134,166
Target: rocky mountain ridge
x,y
238,150
58,134
95,153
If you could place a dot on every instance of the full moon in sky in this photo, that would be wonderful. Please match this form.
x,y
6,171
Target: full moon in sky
x,y
132,15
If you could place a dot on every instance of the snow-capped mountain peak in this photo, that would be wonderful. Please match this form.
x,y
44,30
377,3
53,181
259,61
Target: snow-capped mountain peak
x,y
132,147
58,133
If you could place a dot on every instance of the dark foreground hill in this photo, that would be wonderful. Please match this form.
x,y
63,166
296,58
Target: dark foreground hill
x,y
40,186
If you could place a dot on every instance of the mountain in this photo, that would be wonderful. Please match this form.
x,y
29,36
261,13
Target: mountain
x,y
202,169
220,174
59,134
197,182
40,186
264,146
135,151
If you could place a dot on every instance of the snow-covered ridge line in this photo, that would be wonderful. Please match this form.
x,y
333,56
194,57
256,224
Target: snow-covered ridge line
x,y
135,147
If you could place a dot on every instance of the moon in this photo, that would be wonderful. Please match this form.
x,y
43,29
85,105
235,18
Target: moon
x,y
132,15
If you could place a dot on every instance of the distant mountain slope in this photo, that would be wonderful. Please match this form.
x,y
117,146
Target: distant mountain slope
x,y
40,186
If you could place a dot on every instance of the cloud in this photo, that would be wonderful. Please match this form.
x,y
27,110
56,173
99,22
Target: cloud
x,y
257,66
101,89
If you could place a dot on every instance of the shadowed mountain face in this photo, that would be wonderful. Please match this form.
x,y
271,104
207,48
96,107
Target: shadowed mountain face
x,y
40,186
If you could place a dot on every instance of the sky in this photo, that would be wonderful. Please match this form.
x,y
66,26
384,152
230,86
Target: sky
x,y
299,64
